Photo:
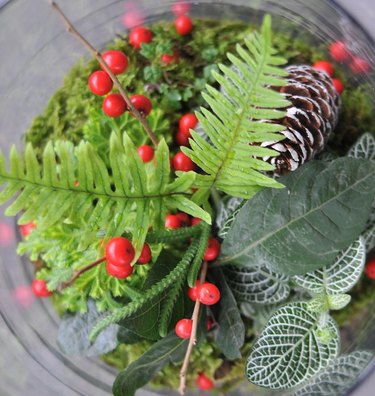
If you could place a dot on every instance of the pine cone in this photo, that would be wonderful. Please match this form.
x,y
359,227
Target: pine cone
x,y
309,121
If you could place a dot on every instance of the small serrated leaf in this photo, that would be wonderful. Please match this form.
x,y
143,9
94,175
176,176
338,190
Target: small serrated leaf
x,y
289,351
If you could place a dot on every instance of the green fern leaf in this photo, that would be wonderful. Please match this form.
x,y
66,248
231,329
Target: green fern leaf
x,y
127,197
231,158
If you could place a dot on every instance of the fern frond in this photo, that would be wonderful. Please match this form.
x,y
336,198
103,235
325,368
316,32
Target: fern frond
x,y
180,271
231,159
125,197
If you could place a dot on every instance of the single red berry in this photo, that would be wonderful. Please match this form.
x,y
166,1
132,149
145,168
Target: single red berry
x,y
339,52
146,153
213,250
370,269
195,221
203,382
145,256
172,221
119,251
339,86
209,324
187,121
181,139
39,288
184,218
184,25
168,59
193,291
324,66
142,104
181,8
119,272
360,66
114,105
183,328
26,229
117,61
100,83
181,162
140,35
208,294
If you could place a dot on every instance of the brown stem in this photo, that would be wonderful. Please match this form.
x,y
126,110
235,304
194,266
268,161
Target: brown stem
x,y
193,337
78,273
71,29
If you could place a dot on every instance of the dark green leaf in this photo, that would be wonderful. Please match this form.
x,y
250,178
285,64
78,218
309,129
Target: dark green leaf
x,y
209,54
231,333
322,210
152,74
125,336
73,335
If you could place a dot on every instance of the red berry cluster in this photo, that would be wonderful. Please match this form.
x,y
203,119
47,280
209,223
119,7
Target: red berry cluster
x,y
340,52
329,69
183,22
100,83
119,254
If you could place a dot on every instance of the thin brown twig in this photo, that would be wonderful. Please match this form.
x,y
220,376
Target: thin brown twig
x,y
193,337
71,29
78,273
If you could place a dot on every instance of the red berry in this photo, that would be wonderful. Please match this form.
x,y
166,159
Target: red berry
x,y
324,66
168,59
208,294
187,121
27,228
142,104
184,218
339,86
140,35
360,66
181,162
114,105
183,25
117,61
203,382
119,251
209,324
213,250
119,272
172,221
145,256
339,52
39,288
370,269
183,328
100,83
146,153
193,291
181,139
132,18
181,8
195,221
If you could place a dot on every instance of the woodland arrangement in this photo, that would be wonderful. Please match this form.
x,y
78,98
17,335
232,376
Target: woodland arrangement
x,y
232,244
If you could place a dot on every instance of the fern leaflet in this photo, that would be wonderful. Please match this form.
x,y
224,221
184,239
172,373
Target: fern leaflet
x,y
231,159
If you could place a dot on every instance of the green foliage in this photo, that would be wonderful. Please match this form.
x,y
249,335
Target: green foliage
x,y
231,160
338,377
323,204
290,349
130,199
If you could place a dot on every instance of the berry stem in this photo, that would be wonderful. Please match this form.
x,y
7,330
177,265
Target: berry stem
x,y
193,337
78,273
71,29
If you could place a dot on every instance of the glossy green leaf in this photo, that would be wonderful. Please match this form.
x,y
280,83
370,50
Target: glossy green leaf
x,y
303,227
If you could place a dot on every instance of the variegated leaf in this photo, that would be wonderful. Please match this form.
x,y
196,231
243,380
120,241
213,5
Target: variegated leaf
x,y
364,147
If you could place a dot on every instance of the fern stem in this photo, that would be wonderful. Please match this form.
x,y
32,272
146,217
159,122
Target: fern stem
x,y
173,235
71,29
153,292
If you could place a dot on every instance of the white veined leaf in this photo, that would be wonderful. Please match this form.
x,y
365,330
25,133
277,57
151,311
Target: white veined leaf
x,y
257,285
338,301
289,350
369,238
259,313
338,377
364,147
339,277
226,214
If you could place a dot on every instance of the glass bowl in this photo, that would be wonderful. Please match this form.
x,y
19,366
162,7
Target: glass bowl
x,y
36,53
